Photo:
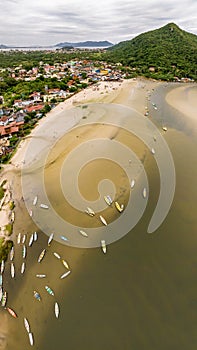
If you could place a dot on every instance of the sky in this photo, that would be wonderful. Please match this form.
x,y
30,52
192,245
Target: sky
x,y
48,22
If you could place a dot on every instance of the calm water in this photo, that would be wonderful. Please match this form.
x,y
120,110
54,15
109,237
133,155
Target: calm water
x,y
142,294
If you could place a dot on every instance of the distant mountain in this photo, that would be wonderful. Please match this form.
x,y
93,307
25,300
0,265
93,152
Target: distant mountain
x,y
86,44
167,50
3,46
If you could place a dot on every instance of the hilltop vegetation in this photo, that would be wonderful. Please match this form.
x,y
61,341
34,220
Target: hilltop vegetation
x,y
162,53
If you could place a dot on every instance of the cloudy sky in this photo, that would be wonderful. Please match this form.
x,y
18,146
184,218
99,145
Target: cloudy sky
x,y
48,22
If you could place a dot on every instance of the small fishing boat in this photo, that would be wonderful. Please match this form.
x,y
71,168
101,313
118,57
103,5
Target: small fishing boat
x,y
119,207
2,266
103,220
57,310
83,233
144,192
13,216
41,256
1,280
108,200
103,246
50,238
23,267
1,293
11,312
64,238
132,183
12,270
37,295
30,213
4,299
35,200
24,238
57,255
26,324
152,151
31,339
12,253
35,236
24,251
31,239
164,128
40,275
64,262
19,238
44,206
49,290
89,211
65,274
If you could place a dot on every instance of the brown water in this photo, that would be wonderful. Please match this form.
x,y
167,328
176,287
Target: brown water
x,y
142,294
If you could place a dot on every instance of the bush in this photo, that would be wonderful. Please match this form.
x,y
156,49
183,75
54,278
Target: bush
x,y
1,192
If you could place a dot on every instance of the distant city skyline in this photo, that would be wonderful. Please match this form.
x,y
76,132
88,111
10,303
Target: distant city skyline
x,y
48,22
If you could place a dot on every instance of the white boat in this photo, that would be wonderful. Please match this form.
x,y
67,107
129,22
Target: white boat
x,y
24,251
1,280
164,128
83,233
144,192
103,246
23,267
64,238
1,293
30,213
31,239
152,151
50,238
40,275
132,183
44,206
35,200
103,220
64,262
4,299
12,270
13,216
41,256
57,255
12,253
27,326
108,200
24,238
90,211
31,339
2,266
57,310
119,207
35,236
19,238
65,274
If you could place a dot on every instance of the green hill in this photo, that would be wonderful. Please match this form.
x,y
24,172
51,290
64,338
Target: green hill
x,y
162,53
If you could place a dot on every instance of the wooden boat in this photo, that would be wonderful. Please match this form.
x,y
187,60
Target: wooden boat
x,y
41,256
103,246
11,312
12,270
65,274
57,255
49,290
12,253
31,239
64,262
19,238
144,192
50,238
24,251
90,211
23,267
103,220
35,200
40,275
35,236
31,339
2,266
37,295
26,324
83,233
132,183
24,238
119,207
57,310
108,200
44,206
4,299
64,238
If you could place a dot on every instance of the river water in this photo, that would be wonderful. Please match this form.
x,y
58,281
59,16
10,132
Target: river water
x,y
143,293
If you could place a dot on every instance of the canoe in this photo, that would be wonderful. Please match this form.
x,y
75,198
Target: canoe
x,y
119,207
12,270
57,310
144,192
64,262
31,239
31,339
23,267
35,200
19,238
132,183
40,275
37,295
12,253
83,233
103,246
44,206
41,256
24,251
57,255
65,274
35,236
26,324
24,238
103,220
64,238
4,299
11,312
49,290
50,238
89,211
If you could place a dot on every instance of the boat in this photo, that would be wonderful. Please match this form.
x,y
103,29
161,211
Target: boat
x,y
30,213
24,251
152,151
144,192
35,200
2,266
132,183
103,220
50,238
89,211
26,324
119,207
83,233
19,238
37,295
57,310
12,253
64,238
31,339
40,275
1,293
24,238
4,299
49,290
11,312
41,256
44,206
13,216
65,274
23,267
35,236
12,270
164,128
31,239
57,255
64,262
103,246
1,280
108,200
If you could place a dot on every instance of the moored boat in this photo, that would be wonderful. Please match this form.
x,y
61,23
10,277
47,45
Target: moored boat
x,y
24,251
152,151
164,128
35,236
41,256
11,312
49,290
1,293
30,213
103,246
24,238
4,299
26,324
83,233
65,274
64,262
90,211
50,238
35,200
23,267
31,239
64,238
31,339
40,275
44,206
132,183
37,295
108,200
144,192
57,310
12,253
12,270
103,220
19,238
119,207
2,266
1,280
57,255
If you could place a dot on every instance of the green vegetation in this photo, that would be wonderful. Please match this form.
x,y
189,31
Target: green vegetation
x,y
1,192
9,229
5,247
11,205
